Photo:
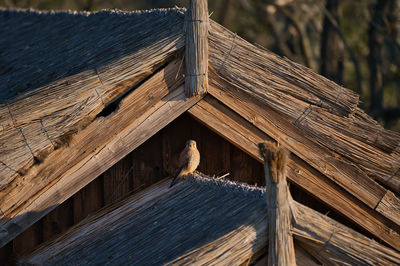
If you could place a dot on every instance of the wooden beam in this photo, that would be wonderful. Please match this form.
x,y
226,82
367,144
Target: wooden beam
x,y
323,111
41,174
96,148
336,243
303,258
280,241
343,172
37,121
196,50
246,137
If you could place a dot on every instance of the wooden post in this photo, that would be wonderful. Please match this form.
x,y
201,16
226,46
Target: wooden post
x,y
196,51
280,245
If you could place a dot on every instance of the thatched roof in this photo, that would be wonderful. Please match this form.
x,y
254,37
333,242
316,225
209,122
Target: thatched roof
x,y
60,68
40,47
71,109
200,220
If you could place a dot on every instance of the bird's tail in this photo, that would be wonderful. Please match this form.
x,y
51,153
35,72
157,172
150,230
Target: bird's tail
x,y
176,176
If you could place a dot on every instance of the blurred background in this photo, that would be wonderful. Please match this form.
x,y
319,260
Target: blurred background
x,y
354,43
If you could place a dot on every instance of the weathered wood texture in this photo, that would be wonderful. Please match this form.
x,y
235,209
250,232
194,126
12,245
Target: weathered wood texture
x,y
317,119
147,164
303,258
339,133
346,174
152,227
333,243
98,64
96,148
196,47
280,241
124,178
246,136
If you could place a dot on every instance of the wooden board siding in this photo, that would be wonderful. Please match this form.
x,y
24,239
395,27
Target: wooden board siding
x,y
218,157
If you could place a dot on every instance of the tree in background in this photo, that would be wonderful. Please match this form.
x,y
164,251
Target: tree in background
x,y
354,43
331,46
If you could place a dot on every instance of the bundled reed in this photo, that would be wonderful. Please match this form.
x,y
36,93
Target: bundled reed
x,y
199,220
100,63
320,109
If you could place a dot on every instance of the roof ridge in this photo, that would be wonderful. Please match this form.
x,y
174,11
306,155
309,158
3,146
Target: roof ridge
x,y
252,191
112,11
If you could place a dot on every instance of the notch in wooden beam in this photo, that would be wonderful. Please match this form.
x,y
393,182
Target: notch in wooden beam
x,y
196,51
279,203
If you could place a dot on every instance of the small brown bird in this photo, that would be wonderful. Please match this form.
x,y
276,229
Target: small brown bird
x,y
189,159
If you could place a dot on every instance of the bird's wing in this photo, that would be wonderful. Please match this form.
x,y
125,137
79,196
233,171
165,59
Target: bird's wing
x,y
184,157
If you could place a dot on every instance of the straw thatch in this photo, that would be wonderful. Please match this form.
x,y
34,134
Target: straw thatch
x,y
317,108
50,87
71,109
199,220
66,84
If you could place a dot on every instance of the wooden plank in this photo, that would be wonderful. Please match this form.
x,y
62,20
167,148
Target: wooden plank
x,y
93,150
245,136
147,163
390,206
88,200
140,99
174,138
28,240
337,244
346,174
58,220
196,48
279,203
117,181
5,253
302,258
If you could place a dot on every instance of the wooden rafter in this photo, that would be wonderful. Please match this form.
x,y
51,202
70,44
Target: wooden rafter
x,y
325,113
93,150
346,174
246,136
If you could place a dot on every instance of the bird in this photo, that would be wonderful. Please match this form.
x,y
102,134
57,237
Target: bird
x,y
189,159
